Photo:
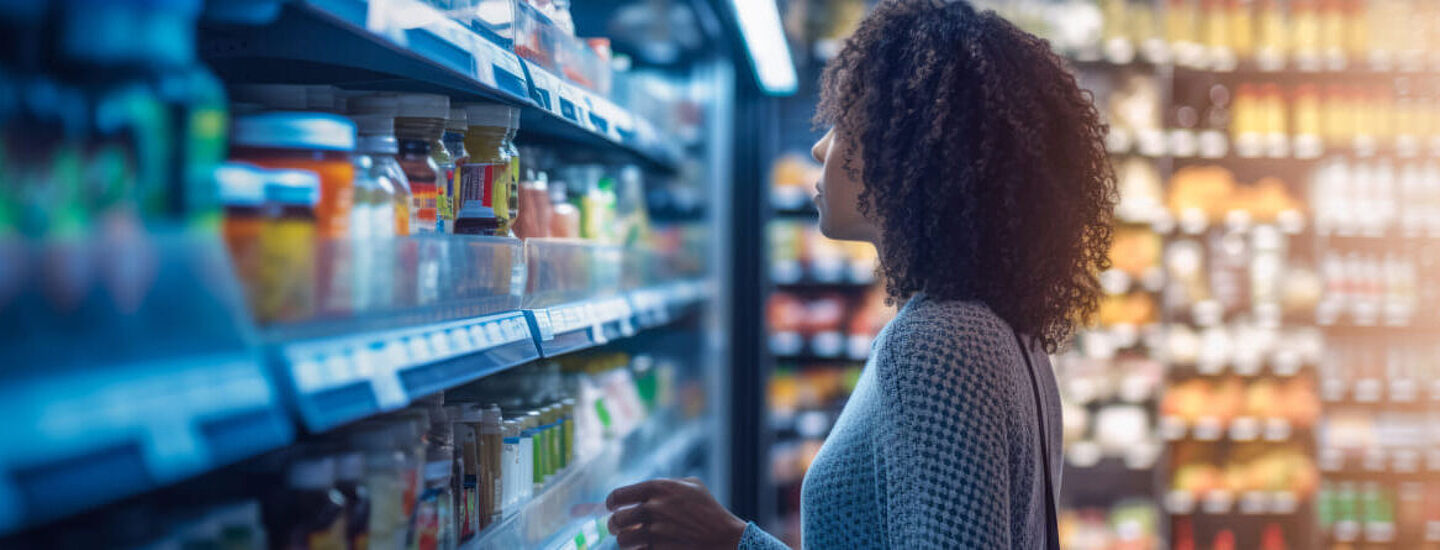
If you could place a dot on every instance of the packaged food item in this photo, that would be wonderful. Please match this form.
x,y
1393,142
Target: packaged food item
x,y
384,485
284,289
485,190
350,481
454,141
536,427
320,143
419,125
491,442
535,211
434,516
315,519
564,216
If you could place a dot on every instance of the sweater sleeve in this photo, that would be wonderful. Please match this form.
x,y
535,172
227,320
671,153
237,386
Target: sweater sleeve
x,y
941,456
756,539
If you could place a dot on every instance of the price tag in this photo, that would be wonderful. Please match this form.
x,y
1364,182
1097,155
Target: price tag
x,y
1172,428
308,375
477,335
1254,503
1244,428
1213,144
460,340
1208,429
494,334
1277,429
1367,390
1180,502
440,344
1218,502
397,354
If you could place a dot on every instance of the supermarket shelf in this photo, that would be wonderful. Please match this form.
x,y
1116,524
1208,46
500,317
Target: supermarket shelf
x,y
837,275
1190,146
824,346
407,45
572,507
1220,502
1377,393
1239,429
573,326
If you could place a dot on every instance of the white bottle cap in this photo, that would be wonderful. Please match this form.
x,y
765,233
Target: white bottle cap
x,y
424,106
493,115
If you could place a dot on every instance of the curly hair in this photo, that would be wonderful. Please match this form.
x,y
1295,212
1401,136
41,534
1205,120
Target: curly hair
x,y
984,165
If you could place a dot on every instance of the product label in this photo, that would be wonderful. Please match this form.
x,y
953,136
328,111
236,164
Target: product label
x,y
427,521
476,195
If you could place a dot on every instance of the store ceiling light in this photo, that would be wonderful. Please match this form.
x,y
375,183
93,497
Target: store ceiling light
x,y
765,43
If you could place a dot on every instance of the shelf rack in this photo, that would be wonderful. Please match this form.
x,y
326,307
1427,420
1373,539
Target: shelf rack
x,y
96,431
408,45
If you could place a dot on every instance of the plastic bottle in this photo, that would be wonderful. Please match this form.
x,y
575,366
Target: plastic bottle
x,y
434,515
491,442
242,191
284,289
525,481
350,481
467,440
568,447
316,519
539,460
483,197
535,212
510,467
454,141
564,216
384,473
419,125
377,140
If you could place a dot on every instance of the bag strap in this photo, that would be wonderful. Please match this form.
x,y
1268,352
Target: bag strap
x,y
1052,526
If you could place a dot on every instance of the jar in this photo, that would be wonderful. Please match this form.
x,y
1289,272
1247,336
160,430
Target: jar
x,y
284,289
484,189
315,142
420,125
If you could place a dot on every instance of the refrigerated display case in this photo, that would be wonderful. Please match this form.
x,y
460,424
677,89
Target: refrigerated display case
x,y
299,344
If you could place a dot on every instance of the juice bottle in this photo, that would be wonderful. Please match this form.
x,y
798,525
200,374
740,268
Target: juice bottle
x,y
1305,33
1271,40
1331,14
480,205
419,124
509,467
454,141
287,243
1242,27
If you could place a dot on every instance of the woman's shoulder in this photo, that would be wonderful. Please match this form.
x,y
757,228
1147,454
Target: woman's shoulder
x,y
954,345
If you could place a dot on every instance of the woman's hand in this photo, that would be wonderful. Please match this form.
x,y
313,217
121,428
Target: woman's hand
x,y
671,513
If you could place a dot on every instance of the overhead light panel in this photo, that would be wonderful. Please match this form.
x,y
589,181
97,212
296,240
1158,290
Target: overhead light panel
x,y
766,46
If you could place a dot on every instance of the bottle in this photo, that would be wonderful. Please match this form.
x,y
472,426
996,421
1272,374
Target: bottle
x,y
481,207
419,125
491,438
373,220
629,208
409,429
434,520
534,206
384,472
564,216
467,442
287,265
350,481
512,198
242,191
377,140
569,441
315,142
510,467
536,426
454,141
315,517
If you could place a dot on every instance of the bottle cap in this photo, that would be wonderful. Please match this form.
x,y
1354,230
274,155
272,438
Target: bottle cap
x,y
292,187
379,103
374,124
312,474
492,115
322,98
491,415
458,119
241,184
424,106
292,130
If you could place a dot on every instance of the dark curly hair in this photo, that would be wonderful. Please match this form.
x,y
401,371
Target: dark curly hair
x,y
984,163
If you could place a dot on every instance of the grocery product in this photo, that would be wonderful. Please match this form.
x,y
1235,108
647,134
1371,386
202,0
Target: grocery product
x,y
315,142
534,202
419,126
284,287
454,141
484,191
564,216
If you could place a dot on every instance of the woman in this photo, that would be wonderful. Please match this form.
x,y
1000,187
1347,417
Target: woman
x,y
966,153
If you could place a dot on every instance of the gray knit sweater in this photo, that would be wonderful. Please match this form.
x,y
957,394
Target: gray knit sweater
x,y
939,446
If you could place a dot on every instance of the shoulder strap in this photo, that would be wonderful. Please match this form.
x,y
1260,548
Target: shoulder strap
x,y
1052,526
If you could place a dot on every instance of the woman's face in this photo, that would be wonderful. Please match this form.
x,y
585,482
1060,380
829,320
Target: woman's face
x,y
838,194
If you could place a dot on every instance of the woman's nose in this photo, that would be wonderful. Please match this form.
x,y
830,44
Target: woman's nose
x,y
818,150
